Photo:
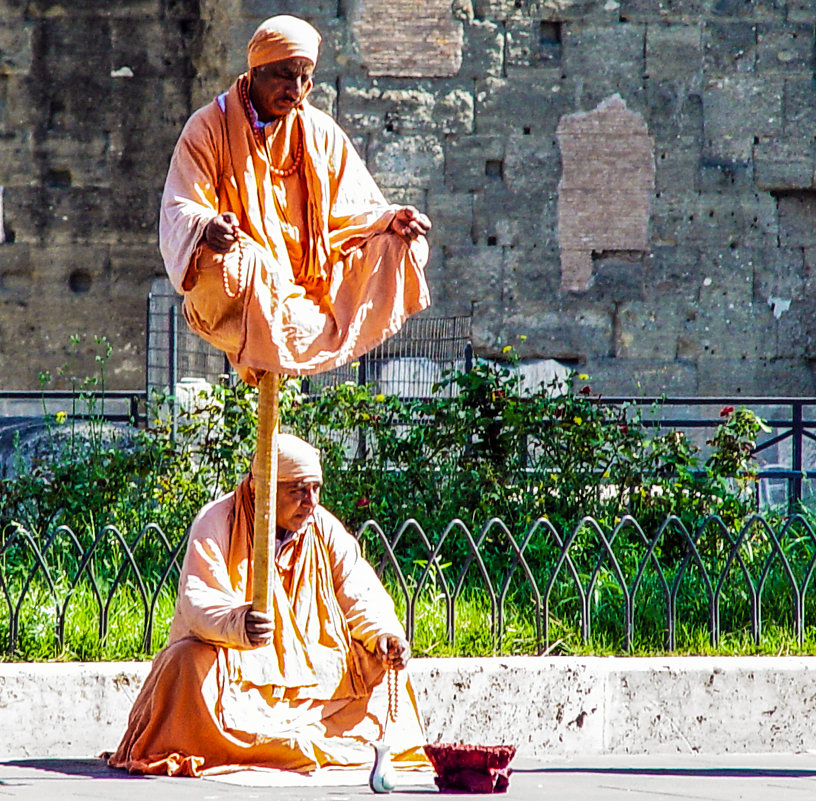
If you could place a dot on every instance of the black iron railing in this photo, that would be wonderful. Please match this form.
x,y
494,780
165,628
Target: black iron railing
x,y
622,585
785,456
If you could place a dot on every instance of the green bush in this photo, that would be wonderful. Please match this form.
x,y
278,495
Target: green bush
x,y
478,449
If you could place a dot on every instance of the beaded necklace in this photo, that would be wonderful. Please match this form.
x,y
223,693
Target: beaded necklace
x,y
393,697
260,134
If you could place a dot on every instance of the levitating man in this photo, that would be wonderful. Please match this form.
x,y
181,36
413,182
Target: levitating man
x,y
288,255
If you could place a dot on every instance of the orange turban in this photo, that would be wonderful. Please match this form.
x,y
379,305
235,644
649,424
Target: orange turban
x,y
282,37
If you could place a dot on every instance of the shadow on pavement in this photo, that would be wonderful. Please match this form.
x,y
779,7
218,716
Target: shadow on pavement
x,y
86,768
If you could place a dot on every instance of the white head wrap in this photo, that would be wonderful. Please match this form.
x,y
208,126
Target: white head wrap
x,y
297,460
282,37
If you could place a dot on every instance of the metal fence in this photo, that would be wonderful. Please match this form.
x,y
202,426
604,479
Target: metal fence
x,y
625,585
786,456
407,364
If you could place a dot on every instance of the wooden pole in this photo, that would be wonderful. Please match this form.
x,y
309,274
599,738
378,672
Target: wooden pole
x,y
266,486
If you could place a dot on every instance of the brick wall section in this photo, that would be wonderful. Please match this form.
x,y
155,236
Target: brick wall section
x,y
718,300
605,191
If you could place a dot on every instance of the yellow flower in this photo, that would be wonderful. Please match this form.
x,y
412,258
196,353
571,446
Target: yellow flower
x,y
61,417
380,398
577,420
507,348
583,376
354,365
523,337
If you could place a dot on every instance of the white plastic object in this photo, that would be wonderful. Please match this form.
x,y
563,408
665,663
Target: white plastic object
x,y
382,778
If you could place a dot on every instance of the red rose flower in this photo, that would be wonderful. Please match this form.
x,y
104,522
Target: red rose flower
x,y
587,390
726,410
362,503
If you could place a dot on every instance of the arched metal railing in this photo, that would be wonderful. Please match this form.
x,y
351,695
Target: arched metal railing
x,y
70,590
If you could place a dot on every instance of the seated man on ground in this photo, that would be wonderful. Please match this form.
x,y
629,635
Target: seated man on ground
x,y
297,689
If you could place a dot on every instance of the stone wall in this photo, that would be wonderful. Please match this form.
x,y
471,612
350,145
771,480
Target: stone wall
x,y
629,184
549,707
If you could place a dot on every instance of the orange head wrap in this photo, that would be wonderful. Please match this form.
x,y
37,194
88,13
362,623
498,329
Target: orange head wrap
x,y
282,37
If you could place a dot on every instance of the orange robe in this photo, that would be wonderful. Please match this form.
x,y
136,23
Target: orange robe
x,y
314,697
317,278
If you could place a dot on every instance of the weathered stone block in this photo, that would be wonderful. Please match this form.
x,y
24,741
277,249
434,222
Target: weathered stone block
x,y
472,275
671,272
483,50
15,48
503,217
16,158
670,49
674,110
784,164
67,162
406,160
24,213
641,377
722,331
454,112
787,376
531,43
737,109
787,49
466,159
726,278
531,163
452,216
714,220
380,108
131,268
796,216
16,270
644,332
714,176
780,277
801,11
563,328
529,272
324,97
799,110
676,158
729,48
617,277
506,106
587,49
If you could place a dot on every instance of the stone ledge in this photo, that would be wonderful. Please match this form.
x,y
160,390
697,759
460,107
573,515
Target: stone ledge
x,y
559,707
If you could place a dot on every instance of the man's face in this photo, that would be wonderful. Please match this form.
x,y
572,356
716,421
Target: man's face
x,y
278,87
295,502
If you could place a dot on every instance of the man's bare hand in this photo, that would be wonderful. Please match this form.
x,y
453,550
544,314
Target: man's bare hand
x,y
259,628
410,223
393,651
220,232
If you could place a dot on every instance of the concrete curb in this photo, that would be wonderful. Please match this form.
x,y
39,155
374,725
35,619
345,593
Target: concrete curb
x,y
549,707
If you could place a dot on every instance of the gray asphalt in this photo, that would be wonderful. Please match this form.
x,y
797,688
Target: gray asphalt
x,y
701,778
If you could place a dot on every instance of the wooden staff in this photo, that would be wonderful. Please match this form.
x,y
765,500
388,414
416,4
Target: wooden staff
x,y
266,488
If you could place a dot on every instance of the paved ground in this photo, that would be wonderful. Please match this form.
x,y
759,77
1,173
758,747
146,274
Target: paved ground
x,y
674,778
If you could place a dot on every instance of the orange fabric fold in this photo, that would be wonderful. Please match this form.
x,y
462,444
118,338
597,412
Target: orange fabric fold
x,y
314,698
